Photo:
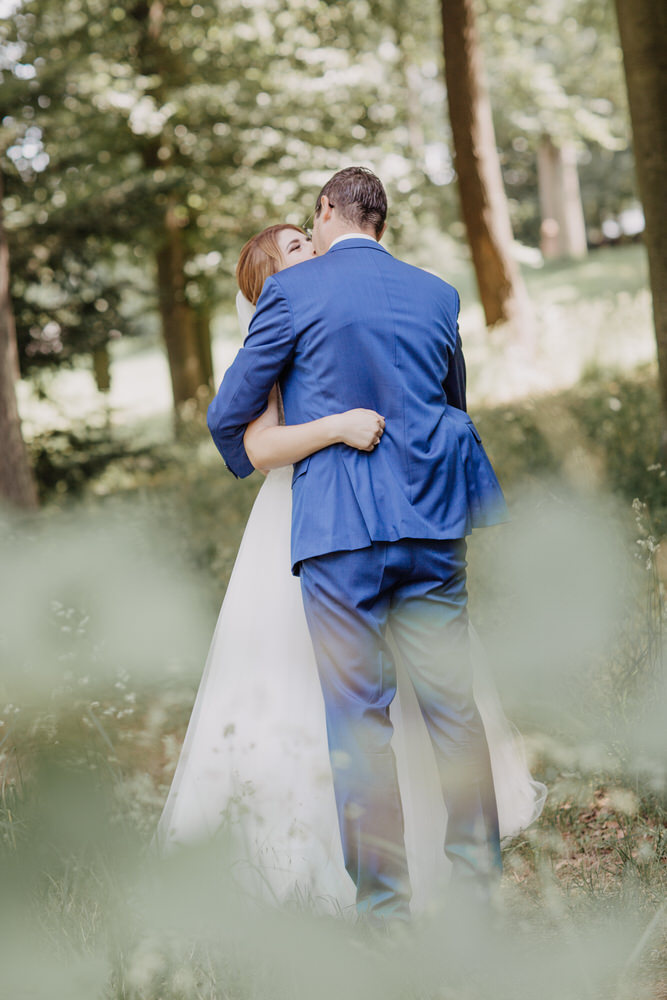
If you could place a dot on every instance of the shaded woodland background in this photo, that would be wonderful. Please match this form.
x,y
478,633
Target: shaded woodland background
x,y
524,149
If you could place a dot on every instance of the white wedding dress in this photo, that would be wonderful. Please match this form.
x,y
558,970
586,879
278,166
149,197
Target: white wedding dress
x,y
254,768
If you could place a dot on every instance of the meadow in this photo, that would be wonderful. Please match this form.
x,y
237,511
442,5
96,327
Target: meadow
x,y
109,597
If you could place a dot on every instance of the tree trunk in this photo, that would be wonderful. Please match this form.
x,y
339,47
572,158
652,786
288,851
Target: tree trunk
x,y
17,483
483,201
102,368
203,328
643,30
179,326
187,360
563,230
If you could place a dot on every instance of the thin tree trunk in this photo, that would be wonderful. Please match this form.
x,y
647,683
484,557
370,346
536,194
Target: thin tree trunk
x,y
574,223
185,340
563,230
203,330
17,483
643,30
102,368
483,201
178,317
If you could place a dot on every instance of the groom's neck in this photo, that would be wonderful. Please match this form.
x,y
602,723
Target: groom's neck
x,y
342,232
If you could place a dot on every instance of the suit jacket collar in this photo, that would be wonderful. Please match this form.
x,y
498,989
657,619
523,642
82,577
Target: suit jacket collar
x,y
356,244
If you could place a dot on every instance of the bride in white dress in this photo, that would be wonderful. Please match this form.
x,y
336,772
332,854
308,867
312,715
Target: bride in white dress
x,y
254,768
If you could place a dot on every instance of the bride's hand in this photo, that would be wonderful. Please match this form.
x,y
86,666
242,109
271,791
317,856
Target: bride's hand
x,y
361,429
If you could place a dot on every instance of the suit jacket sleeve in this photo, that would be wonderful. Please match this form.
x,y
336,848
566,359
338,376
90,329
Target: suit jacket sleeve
x,y
455,380
244,391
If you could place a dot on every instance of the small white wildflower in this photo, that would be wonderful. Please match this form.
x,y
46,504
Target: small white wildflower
x,y
645,852
145,966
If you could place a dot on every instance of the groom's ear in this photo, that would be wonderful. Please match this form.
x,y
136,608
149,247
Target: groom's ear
x,y
325,209
382,232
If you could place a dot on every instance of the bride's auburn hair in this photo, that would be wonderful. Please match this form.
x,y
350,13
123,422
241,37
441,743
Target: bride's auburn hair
x,y
259,259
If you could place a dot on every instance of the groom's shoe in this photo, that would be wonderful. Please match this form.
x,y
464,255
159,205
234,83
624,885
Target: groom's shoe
x,y
383,897
381,934
382,910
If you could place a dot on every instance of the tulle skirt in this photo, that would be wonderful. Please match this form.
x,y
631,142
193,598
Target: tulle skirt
x,y
254,768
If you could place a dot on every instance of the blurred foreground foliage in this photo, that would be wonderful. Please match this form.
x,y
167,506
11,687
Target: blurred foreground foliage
x,y
109,599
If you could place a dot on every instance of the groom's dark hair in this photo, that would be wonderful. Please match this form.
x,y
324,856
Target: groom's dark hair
x,y
358,195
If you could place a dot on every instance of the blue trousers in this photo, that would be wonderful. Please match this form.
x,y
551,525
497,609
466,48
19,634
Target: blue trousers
x,y
416,588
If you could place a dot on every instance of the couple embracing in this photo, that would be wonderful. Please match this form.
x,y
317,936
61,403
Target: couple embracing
x,y
363,353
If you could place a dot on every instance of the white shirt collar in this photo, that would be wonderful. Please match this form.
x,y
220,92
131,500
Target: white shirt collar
x,y
352,236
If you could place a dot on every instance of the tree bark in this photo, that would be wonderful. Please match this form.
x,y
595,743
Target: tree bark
x,y
643,30
183,337
17,483
203,329
102,368
179,325
483,201
563,230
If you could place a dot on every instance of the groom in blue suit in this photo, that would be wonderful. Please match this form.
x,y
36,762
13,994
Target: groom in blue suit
x,y
378,539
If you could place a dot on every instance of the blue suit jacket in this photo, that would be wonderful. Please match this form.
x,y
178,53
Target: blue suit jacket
x,y
358,328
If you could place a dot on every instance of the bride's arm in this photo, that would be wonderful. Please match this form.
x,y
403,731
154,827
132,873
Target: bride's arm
x,y
270,444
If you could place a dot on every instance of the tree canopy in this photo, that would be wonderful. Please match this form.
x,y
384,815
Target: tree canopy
x,y
211,119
